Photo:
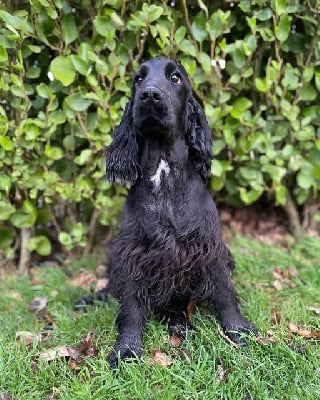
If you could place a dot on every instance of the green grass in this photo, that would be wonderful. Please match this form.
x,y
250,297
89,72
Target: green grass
x,y
288,369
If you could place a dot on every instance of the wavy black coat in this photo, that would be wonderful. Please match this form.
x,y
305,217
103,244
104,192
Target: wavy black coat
x,y
170,249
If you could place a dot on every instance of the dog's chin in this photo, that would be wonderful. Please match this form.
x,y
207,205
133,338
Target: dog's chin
x,y
152,126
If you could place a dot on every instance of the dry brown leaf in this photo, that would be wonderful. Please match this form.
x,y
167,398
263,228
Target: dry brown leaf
x,y
159,357
44,316
59,352
269,339
27,338
191,309
176,341
37,304
5,396
78,353
304,332
84,280
315,308
283,277
293,327
277,285
33,271
54,293
75,365
86,347
266,340
101,284
36,282
275,316
277,274
222,372
308,333
16,296
293,271
88,280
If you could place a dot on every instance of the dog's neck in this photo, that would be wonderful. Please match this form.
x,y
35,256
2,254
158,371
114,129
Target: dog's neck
x,y
159,161
154,151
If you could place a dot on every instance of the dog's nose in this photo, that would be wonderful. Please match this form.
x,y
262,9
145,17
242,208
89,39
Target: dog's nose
x,y
151,94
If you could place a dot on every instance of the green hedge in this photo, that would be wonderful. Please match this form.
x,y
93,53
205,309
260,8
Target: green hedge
x,y
65,77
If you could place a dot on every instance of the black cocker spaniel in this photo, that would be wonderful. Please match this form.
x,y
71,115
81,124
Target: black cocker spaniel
x,y
169,251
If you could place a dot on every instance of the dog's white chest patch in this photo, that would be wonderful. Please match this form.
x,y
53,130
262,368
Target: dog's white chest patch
x,y
162,167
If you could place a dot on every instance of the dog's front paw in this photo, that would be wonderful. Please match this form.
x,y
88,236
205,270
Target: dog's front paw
x,y
236,330
126,347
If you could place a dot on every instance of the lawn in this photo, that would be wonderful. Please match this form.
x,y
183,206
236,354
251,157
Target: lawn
x,y
278,289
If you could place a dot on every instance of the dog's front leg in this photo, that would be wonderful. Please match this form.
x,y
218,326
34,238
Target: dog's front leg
x,y
226,304
130,322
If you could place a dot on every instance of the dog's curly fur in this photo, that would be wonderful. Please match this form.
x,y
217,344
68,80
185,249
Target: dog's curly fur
x,y
170,249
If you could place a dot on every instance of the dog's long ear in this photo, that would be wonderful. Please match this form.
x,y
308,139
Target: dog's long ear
x,y
122,154
199,139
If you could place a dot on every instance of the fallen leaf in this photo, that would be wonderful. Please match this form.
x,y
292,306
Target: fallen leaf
x,y
78,353
315,309
59,352
33,271
101,284
292,327
176,341
275,316
54,293
191,309
277,273
37,304
278,285
36,282
86,347
283,277
74,365
308,333
304,332
16,296
27,338
89,281
265,340
84,280
159,357
44,316
222,372
293,271
5,396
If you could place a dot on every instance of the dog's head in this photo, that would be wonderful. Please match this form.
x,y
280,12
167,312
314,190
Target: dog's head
x,y
160,93
162,108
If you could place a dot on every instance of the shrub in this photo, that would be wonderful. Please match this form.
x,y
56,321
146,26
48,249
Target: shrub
x,y
66,70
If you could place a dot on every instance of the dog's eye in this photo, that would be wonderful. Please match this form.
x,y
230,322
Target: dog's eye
x,y
175,78
138,80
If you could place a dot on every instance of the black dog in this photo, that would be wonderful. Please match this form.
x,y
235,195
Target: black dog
x,y
169,250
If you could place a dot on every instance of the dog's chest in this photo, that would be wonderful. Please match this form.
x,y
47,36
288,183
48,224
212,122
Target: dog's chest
x,y
161,176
